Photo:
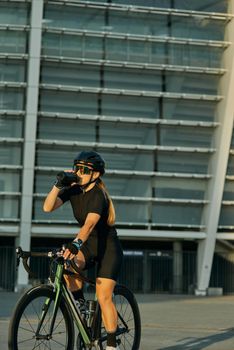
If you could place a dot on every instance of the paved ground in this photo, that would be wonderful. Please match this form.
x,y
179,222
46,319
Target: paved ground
x,y
169,322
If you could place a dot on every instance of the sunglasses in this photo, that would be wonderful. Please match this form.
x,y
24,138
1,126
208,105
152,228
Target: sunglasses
x,y
83,169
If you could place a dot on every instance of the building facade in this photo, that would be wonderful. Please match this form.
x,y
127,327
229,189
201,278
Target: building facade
x,y
149,85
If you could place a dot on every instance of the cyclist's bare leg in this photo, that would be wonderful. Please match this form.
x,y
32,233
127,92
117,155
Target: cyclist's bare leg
x,y
73,283
104,291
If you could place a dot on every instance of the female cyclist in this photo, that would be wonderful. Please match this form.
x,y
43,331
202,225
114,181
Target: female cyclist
x,y
97,240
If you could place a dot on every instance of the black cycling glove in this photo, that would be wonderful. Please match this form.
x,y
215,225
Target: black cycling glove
x,y
75,246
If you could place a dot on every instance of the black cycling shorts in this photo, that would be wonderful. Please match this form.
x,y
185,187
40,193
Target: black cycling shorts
x,y
106,252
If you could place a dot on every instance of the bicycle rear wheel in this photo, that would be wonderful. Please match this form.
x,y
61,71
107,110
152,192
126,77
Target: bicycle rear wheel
x,y
24,323
129,322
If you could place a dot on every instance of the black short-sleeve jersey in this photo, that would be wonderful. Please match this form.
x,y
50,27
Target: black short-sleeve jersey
x,y
83,203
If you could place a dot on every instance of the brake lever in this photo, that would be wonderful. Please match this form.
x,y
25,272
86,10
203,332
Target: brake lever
x,y
19,254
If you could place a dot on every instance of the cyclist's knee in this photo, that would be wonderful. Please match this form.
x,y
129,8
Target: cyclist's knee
x,y
104,290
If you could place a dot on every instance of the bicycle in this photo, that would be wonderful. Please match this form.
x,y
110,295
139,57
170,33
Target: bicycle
x,y
44,316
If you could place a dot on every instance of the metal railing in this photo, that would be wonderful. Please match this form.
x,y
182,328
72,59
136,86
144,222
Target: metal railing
x,y
143,271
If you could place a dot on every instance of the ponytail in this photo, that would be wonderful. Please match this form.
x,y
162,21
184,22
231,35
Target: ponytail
x,y
111,209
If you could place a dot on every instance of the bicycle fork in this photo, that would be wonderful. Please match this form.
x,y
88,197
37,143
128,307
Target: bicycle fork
x,y
45,309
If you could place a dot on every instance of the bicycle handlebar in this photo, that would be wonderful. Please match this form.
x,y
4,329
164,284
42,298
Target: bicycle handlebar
x,y
25,255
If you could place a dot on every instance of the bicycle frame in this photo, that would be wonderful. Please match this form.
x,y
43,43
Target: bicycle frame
x,y
61,290
89,336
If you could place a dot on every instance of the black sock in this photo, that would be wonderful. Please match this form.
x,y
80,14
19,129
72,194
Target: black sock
x,y
78,294
111,339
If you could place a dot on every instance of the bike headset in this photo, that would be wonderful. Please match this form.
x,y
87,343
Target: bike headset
x,y
92,159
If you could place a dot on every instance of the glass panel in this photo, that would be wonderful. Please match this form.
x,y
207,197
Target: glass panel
x,y
193,55
68,102
190,83
13,42
226,216
137,79
71,130
12,13
197,28
180,188
64,74
12,71
134,51
128,186
11,99
117,50
228,194
232,141
158,53
93,47
9,208
128,160
183,162
202,5
61,45
43,182
9,181
138,23
72,46
189,110
73,17
64,213
230,168
185,136
55,156
10,154
130,106
11,127
133,212
198,5
127,134
176,214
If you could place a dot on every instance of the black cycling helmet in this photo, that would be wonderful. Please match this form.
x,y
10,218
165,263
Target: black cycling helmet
x,y
91,158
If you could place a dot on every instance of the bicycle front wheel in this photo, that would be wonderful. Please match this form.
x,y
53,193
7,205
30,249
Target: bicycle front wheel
x,y
24,330
128,333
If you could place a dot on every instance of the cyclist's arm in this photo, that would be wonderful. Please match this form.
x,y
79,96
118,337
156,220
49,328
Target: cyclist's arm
x,y
52,200
83,234
90,222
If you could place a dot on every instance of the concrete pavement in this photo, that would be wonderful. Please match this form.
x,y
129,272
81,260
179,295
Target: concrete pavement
x,y
169,322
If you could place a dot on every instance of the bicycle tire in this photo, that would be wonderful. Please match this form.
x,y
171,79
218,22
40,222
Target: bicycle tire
x,y
25,319
128,333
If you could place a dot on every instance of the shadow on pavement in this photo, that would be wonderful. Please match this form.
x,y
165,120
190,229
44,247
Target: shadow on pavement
x,y
202,343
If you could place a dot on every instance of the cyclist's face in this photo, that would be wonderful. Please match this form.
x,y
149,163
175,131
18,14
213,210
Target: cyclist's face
x,y
84,172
